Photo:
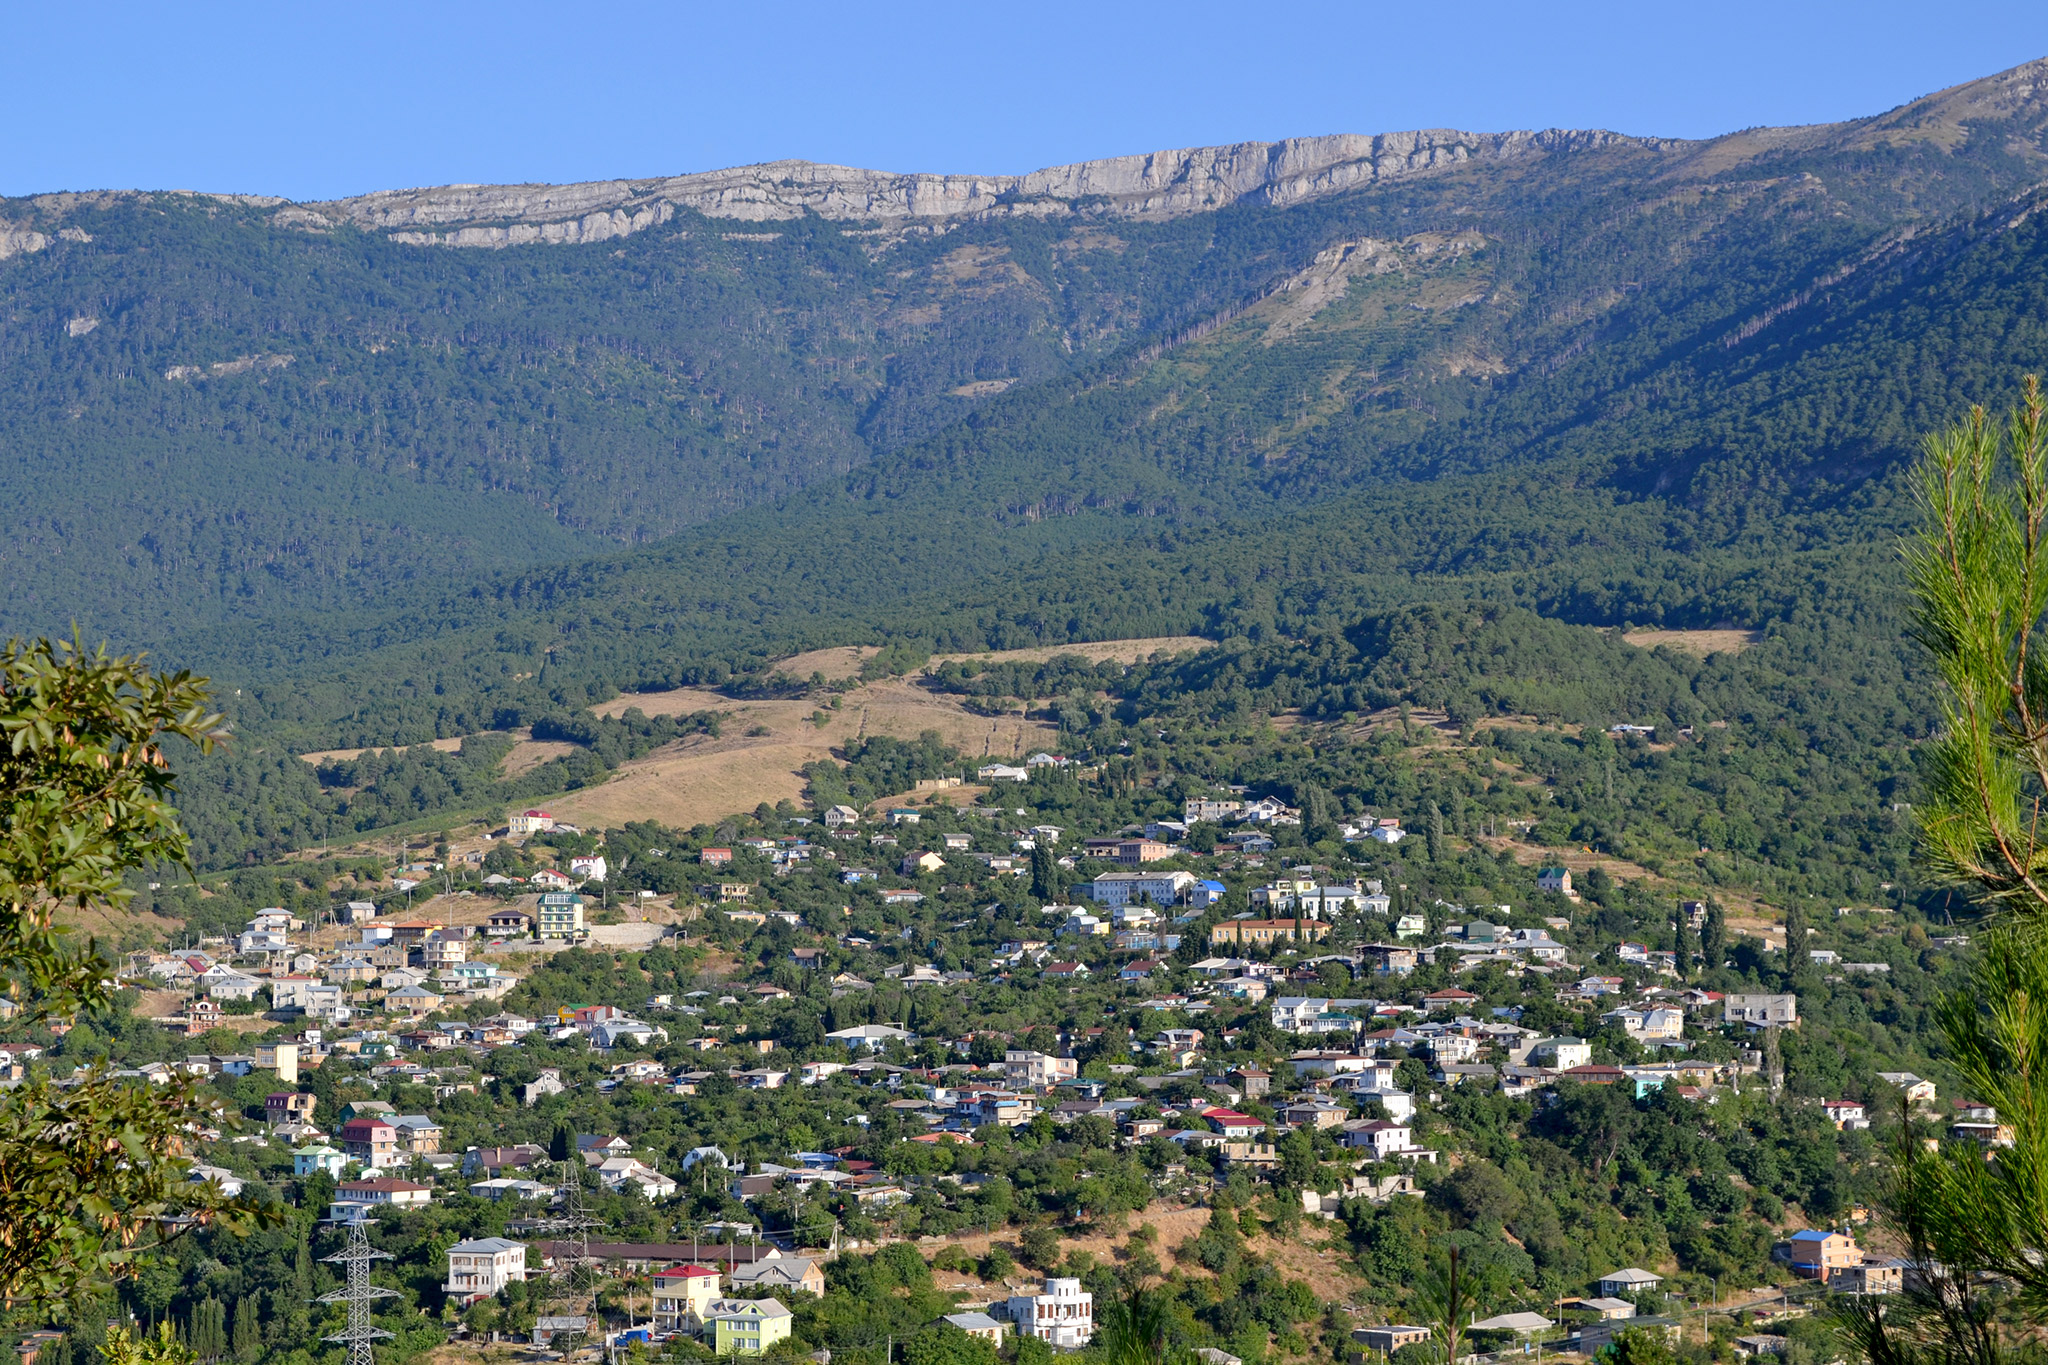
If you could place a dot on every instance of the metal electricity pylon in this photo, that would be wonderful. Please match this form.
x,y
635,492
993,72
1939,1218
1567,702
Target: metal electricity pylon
x,y
576,1219
358,1293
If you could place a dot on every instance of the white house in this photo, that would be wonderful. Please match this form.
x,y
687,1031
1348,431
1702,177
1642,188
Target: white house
x,y
1772,1010
1025,1069
511,1187
1629,1281
1121,888
1537,944
225,983
711,1154
1387,1139
1062,1315
307,1160
611,1033
230,1183
619,1171
1563,1053
873,1037
479,1269
1295,1013
1399,1104
355,1199
530,822
290,992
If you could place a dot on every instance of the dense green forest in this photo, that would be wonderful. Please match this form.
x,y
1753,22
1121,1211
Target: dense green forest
x,y
1656,476
1645,381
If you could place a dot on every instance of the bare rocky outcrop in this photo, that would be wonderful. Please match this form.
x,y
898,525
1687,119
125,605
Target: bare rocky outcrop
x,y
20,241
223,369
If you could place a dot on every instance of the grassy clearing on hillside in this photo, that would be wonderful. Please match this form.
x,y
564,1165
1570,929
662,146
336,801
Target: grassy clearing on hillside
x,y
446,746
766,744
1700,642
1095,651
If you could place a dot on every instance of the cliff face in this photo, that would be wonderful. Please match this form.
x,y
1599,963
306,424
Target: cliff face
x,y
2011,106
1154,185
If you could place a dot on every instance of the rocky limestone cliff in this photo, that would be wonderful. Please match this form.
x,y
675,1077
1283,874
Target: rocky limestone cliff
x,y
1154,185
1158,184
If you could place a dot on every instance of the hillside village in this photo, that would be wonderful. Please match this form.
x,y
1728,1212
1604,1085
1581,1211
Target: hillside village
x,y
1225,1027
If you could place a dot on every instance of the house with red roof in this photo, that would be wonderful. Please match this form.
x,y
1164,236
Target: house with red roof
x,y
1232,1124
683,1295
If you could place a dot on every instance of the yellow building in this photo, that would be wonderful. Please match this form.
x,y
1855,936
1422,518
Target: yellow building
x,y
683,1296
561,915
748,1327
1268,931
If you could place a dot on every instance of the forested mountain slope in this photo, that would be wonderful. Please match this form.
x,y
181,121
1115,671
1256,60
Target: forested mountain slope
x,y
232,410
1651,401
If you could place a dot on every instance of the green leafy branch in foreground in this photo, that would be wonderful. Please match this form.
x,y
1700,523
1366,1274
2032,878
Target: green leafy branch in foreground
x,y
92,1170
1979,570
1973,1219
1970,1224
84,798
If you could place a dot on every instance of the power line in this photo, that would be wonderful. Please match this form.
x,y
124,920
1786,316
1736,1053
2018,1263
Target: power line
x,y
359,1294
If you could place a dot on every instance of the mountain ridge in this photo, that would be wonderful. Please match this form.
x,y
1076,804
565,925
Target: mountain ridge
x,y
1156,184
1161,183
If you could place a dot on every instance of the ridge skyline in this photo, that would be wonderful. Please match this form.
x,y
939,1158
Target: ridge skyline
x,y
1163,182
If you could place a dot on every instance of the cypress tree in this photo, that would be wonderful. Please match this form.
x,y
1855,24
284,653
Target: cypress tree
x,y
1435,832
206,1334
1682,944
248,1338
302,1269
563,1145
1318,817
1796,960
1714,936
1045,874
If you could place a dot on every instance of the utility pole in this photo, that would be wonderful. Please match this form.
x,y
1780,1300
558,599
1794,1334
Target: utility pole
x,y
359,1294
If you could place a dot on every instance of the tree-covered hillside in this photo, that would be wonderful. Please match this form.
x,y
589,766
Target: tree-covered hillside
x,y
213,417
1113,504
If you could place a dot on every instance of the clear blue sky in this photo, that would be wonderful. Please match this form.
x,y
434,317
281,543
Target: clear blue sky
x,y
316,98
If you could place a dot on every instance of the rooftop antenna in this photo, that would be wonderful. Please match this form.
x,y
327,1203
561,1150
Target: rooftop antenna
x,y
359,1294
